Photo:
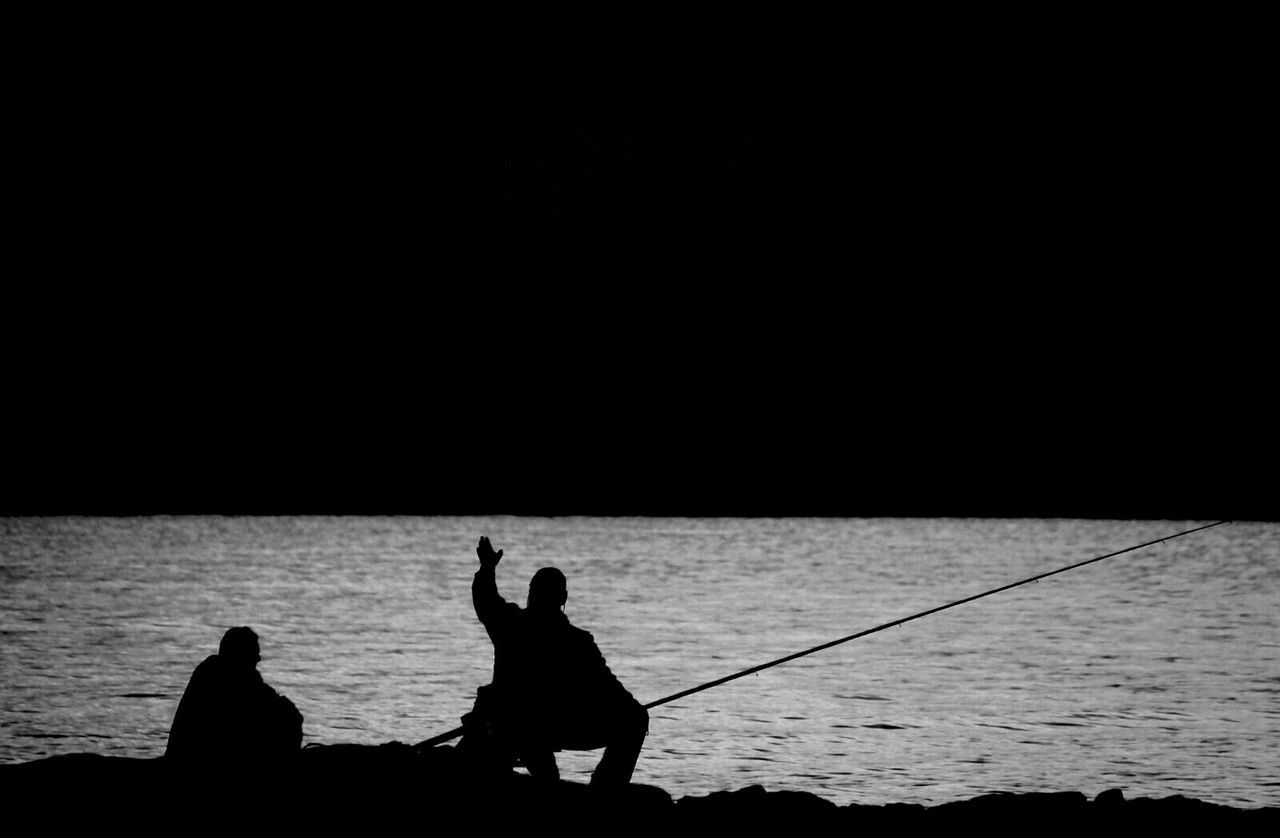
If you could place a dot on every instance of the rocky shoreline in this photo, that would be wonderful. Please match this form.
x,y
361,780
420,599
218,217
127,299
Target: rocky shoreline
x,y
356,788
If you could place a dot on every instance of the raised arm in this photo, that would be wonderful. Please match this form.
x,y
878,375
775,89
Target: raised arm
x,y
489,604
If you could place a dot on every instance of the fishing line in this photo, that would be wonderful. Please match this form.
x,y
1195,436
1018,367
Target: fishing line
x,y
453,734
899,622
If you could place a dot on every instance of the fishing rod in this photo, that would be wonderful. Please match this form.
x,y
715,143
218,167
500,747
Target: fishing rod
x,y
453,734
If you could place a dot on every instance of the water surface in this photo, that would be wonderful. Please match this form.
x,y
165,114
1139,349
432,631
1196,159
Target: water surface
x,y
1157,672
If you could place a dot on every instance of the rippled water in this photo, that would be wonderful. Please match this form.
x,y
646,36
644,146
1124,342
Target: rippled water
x,y
1157,672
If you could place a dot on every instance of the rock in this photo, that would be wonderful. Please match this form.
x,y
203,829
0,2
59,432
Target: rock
x,y
364,789
1058,807
1109,799
753,807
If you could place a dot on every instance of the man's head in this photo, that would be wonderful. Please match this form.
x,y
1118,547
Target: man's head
x,y
239,647
548,590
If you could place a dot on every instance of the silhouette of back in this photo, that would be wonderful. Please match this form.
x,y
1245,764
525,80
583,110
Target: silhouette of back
x,y
229,713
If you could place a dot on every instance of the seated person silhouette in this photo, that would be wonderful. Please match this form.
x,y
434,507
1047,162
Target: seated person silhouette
x,y
551,689
228,713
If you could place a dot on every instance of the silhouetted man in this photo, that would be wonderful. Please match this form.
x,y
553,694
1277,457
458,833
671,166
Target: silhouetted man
x,y
228,713
551,687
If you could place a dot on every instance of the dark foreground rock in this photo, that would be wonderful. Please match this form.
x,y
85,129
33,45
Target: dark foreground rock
x,y
373,789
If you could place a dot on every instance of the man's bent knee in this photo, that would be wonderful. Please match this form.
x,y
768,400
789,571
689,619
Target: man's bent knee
x,y
639,721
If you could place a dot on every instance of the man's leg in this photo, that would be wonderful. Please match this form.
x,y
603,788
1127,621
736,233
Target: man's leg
x,y
480,744
622,750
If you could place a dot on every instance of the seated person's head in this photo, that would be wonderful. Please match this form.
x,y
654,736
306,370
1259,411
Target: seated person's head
x,y
548,590
239,647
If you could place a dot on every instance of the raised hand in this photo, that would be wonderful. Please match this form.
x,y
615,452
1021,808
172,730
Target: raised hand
x,y
488,558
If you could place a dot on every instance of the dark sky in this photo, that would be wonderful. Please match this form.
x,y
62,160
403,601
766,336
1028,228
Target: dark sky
x,y
583,266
